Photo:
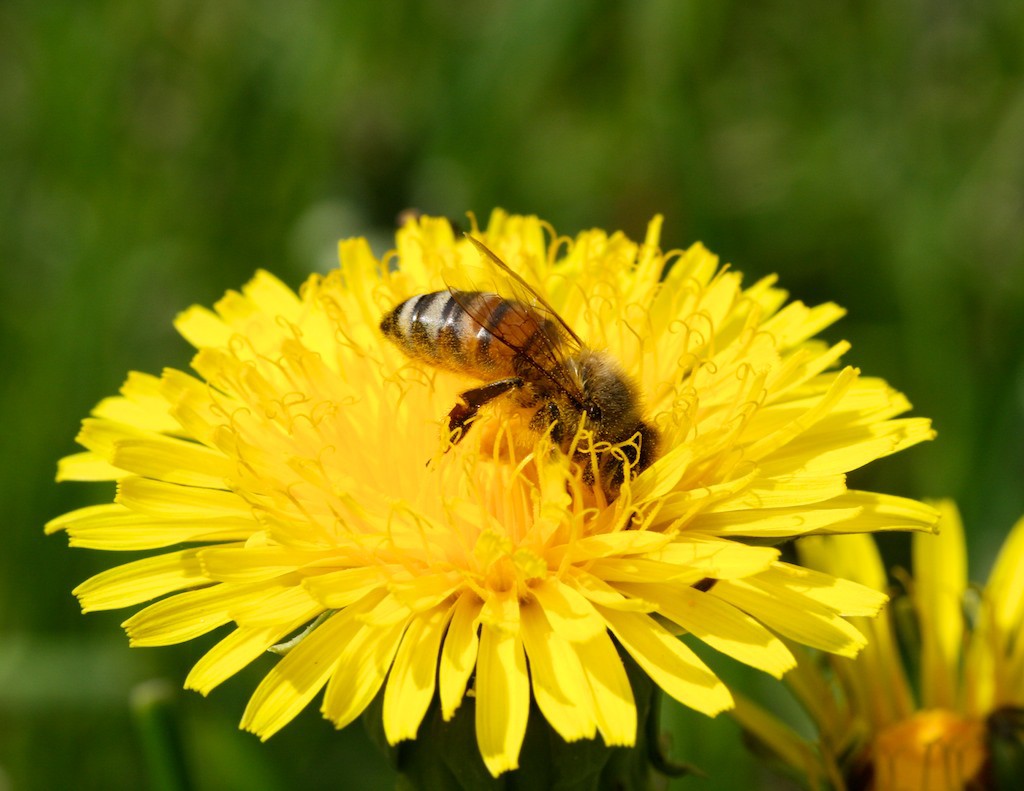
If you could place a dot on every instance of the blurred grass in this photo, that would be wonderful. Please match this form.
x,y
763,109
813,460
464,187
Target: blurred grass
x,y
154,154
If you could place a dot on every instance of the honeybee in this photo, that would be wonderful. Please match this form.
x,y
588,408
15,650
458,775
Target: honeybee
x,y
522,348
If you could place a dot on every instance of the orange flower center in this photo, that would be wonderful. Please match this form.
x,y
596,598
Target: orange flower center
x,y
934,750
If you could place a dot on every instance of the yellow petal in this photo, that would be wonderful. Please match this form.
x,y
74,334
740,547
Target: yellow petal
x,y
854,557
784,491
173,460
774,522
940,580
876,678
720,625
337,589
797,322
141,405
276,605
568,612
792,615
845,597
234,652
194,409
502,698
189,615
458,656
783,435
168,499
718,558
663,475
600,592
614,706
125,530
628,542
252,564
421,593
87,466
670,664
103,511
410,686
557,678
202,327
302,673
141,580
642,570
272,297
101,436
1005,588
844,449
501,610
994,664
851,512
360,672
881,512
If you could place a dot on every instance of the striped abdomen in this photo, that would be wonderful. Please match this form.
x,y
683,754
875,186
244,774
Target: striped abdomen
x,y
483,339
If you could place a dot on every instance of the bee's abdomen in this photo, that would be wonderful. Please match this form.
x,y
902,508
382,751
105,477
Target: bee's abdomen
x,y
435,328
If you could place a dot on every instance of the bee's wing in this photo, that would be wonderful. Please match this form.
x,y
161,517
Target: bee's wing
x,y
525,292
549,352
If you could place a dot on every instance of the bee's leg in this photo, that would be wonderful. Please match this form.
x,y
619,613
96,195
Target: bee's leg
x,y
547,417
472,400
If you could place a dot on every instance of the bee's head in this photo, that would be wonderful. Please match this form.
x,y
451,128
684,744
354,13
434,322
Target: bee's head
x,y
610,401
611,406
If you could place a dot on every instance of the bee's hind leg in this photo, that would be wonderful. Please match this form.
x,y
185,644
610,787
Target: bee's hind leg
x,y
471,401
547,417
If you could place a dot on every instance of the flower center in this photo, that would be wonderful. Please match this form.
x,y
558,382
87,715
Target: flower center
x,y
934,750
506,568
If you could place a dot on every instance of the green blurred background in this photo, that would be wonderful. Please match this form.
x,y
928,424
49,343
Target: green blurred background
x,y
153,154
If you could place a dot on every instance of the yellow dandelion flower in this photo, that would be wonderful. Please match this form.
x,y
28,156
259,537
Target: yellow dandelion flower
x,y
304,475
930,721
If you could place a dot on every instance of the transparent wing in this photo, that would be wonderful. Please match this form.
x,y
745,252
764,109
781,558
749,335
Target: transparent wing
x,y
525,292
526,323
